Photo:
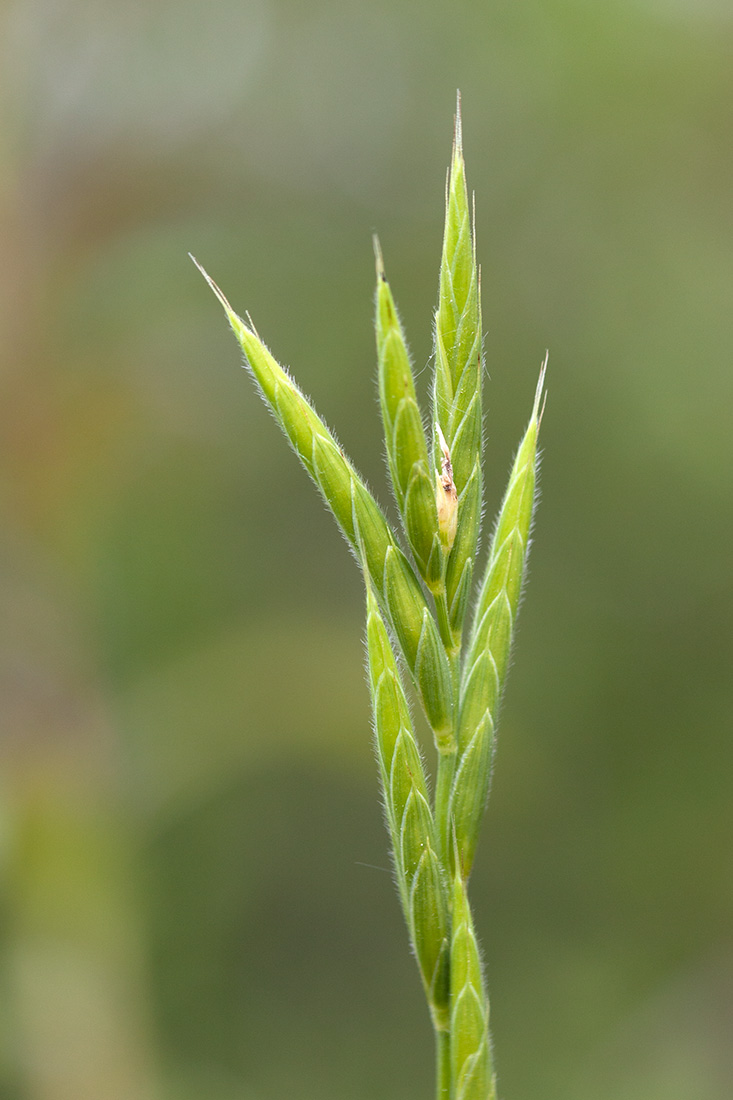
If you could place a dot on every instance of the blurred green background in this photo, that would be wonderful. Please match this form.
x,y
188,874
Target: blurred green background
x,y
195,902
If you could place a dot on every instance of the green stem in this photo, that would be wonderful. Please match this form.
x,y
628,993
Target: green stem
x,y
443,785
442,1065
451,643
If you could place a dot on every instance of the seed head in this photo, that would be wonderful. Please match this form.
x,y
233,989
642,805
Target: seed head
x,y
416,615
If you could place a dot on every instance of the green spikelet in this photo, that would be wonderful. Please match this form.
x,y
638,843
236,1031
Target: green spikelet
x,y
409,816
490,642
361,520
407,448
457,385
472,1074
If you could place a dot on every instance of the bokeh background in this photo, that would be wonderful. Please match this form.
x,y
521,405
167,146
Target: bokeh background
x,y
195,898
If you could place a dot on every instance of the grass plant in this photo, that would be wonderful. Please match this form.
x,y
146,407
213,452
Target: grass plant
x,y
418,626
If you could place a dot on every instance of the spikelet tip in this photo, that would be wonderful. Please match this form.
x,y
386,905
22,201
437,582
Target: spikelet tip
x,y
458,127
378,259
234,320
540,392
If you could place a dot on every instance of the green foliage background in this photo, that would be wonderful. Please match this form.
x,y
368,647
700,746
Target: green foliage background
x,y
194,896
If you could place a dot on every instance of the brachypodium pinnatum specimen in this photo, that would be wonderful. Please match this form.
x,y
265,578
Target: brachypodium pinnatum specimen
x,y
416,612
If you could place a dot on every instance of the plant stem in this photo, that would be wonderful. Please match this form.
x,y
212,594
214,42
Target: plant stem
x,y
443,784
451,643
442,1064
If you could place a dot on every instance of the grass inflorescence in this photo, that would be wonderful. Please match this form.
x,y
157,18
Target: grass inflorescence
x,y
418,596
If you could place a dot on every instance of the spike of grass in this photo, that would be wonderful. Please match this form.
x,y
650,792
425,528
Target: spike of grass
x,y
438,491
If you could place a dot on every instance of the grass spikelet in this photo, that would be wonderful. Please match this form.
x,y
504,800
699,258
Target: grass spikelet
x,y
487,658
470,1048
457,381
409,816
359,517
407,447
